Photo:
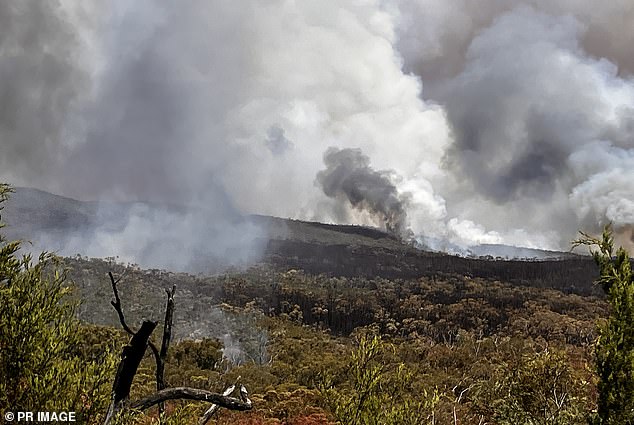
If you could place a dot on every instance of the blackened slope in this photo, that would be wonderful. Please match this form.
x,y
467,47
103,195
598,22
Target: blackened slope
x,y
368,232
317,247
328,234
572,275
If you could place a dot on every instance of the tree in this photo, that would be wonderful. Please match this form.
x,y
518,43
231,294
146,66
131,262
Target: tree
x,y
377,393
538,388
615,344
131,358
40,366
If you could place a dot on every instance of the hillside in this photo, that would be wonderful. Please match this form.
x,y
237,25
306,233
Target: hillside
x,y
336,250
285,332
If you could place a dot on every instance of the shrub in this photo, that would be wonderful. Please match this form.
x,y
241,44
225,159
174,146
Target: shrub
x,y
615,345
40,365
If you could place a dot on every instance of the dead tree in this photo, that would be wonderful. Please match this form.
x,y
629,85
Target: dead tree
x,y
131,358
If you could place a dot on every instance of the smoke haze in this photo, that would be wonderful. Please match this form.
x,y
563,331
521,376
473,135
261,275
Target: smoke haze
x,y
467,122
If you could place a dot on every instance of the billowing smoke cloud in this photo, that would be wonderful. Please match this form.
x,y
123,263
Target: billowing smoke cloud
x,y
348,175
539,96
503,121
181,97
44,75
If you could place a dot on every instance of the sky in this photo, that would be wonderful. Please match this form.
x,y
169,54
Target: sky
x,y
448,121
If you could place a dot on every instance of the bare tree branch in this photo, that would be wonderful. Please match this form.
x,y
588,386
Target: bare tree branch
x,y
214,407
117,306
192,394
244,396
130,359
117,303
133,354
167,336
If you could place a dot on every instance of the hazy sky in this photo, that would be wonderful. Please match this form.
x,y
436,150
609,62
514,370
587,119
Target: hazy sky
x,y
482,121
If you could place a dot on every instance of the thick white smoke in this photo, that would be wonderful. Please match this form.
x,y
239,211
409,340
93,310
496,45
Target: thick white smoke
x,y
500,121
540,99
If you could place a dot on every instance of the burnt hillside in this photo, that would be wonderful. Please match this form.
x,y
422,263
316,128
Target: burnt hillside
x,y
570,275
316,248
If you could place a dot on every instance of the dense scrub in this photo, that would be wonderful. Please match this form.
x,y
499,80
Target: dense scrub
x,y
44,362
450,345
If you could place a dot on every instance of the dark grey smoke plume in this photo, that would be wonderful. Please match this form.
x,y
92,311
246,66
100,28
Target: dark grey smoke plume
x,y
349,177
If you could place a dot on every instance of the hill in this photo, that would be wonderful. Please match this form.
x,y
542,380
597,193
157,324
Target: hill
x,y
291,321
317,248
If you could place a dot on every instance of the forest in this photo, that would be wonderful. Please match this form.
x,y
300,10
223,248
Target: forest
x,y
462,346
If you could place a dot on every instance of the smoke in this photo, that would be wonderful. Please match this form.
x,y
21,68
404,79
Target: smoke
x,y
155,237
625,238
44,74
348,175
499,121
539,97
276,141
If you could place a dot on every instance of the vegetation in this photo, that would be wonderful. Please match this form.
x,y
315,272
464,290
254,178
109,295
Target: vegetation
x,y
377,392
446,347
40,366
316,349
615,344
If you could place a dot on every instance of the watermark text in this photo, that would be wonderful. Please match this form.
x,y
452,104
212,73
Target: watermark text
x,y
39,417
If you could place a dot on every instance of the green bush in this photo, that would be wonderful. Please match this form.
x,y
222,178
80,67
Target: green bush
x,y
615,345
376,392
40,365
540,389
